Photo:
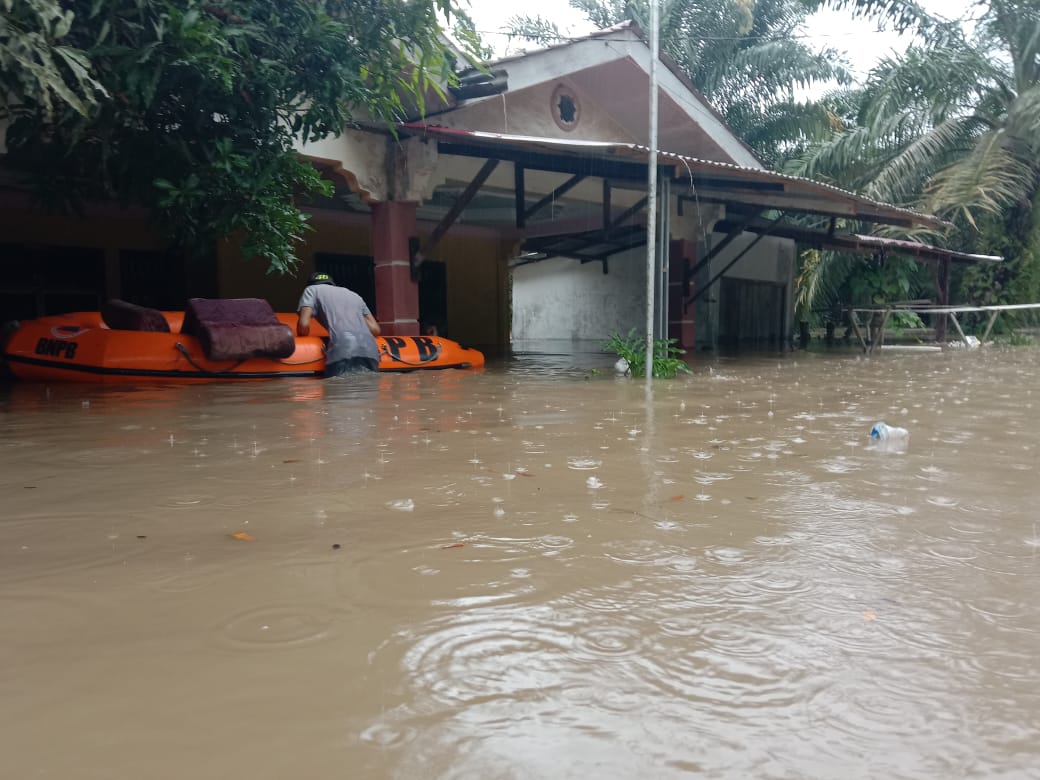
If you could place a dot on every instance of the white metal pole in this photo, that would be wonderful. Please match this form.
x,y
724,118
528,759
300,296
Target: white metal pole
x,y
651,194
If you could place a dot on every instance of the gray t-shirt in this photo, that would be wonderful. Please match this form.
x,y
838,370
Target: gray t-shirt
x,y
342,312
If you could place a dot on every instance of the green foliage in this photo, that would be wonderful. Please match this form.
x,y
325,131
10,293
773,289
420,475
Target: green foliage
x,y
1014,235
666,360
880,282
832,280
35,66
902,320
953,127
1016,340
904,15
203,103
536,29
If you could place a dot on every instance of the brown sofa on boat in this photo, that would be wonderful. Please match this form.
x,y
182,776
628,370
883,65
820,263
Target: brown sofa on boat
x,y
237,328
123,315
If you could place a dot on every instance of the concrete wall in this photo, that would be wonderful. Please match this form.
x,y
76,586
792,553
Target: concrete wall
x,y
770,260
360,158
562,298
238,278
475,266
478,288
529,112
108,230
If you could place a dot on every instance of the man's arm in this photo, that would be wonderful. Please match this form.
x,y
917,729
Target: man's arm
x,y
303,327
372,324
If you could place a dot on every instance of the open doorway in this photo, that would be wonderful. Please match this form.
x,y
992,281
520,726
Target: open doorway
x,y
433,296
752,314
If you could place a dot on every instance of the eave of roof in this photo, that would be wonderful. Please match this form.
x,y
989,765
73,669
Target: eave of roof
x,y
917,249
606,31
854,242
708,179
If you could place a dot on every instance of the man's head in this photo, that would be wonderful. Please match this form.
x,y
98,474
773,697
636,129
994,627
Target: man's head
x,y
320,277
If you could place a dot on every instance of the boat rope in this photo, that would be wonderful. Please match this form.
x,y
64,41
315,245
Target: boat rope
x,y
184,351
436,354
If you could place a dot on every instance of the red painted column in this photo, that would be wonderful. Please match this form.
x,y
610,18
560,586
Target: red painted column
x,y
397,296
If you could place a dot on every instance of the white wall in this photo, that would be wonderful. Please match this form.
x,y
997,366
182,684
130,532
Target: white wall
x,y
770,260
562,298
362,157
767,261
530,112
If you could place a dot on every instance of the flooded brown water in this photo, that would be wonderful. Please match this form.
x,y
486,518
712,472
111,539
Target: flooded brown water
x,y
529,572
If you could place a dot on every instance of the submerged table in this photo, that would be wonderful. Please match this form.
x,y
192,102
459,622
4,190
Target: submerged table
x,y
872,341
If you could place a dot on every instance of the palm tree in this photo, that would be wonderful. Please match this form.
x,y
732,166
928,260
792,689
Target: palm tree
x,y
953,128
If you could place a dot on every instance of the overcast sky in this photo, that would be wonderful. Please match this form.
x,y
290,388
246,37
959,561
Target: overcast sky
x,y
862,41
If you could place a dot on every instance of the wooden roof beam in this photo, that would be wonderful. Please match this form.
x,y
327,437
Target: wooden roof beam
x,y
419,254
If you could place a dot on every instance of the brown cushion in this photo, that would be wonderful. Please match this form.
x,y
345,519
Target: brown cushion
x,y
237,328
123,315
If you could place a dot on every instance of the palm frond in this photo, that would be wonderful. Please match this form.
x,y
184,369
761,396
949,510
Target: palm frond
x,y
822,274
1023,118
903,14
932,82
906,172
990,178
602,13
783,130
536,29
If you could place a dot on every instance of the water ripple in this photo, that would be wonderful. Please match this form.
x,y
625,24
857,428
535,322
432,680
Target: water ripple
x,y
280,626
44,545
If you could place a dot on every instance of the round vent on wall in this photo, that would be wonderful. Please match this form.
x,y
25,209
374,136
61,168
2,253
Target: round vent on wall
x,y
566,109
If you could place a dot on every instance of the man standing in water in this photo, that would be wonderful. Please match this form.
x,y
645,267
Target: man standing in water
x,y
352,328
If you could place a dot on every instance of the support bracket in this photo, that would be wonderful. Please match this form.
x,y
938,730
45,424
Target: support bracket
x,y
418,253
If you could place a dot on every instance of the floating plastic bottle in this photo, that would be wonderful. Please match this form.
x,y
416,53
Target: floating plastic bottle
x,y
884,432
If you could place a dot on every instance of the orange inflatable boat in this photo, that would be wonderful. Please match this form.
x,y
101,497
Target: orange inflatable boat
x,y
91,347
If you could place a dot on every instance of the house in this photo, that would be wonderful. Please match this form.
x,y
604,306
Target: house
x,y
512,211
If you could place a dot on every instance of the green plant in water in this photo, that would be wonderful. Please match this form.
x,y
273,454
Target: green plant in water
x,y
899,321
1014,339
632,348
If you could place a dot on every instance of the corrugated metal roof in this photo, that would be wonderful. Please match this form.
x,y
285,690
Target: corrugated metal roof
x,y
851,242
922,250
722,175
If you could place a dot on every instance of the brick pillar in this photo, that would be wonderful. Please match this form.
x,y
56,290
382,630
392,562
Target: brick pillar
x,y
682,256
397,296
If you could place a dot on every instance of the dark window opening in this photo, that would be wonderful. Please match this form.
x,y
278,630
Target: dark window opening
x,y
40,280
568,111
355,272
157,280
433,296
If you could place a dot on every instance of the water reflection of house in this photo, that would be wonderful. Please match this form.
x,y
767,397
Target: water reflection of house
x,y
523,193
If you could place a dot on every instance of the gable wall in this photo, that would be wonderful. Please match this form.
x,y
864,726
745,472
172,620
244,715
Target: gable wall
x,y
529,112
